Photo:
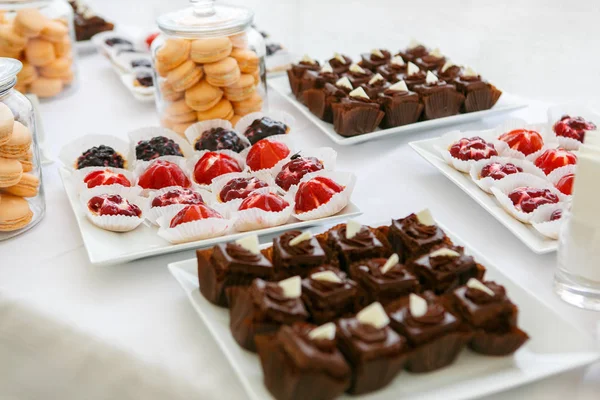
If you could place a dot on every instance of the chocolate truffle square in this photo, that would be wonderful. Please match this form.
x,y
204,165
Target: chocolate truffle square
x,y
320,101
226,265
411,238
479,309
363,245
479,94
298,367
299,259
325,299
440,99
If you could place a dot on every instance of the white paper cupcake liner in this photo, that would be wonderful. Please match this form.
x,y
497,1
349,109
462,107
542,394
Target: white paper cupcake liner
x,y
154,213
148,133
502,189
114,223
73,150
285,139
195,131
99,41
486,184
337,202
123,60
446,141
142,166
219,182
275,115
541,222
78,177
326,155
568,143
191,163
129,79
256,218
555,176
192,231
573,110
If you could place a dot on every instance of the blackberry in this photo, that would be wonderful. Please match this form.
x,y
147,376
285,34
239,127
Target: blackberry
x,y
156,147
264,127
220,139
101,156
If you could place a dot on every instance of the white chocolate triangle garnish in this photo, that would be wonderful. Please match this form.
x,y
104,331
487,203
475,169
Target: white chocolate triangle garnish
x,y
478,285
327,68
377,52
436,53
399,86
324,332
250,243
292,287
357,69
344,82
417,305
413,44
390,263
397,60
412,69
326,276
470,72
300,238
431,78
448,64
425,217
444,253
359,92
352,228
306,58
339,57
373,315
375,78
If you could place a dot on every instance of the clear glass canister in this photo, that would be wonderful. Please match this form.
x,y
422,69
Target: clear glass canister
x,y
209,64
22,202
40,34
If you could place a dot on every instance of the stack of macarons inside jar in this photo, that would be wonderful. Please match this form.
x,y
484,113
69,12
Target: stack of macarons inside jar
x,y
43,45
17,182
204,79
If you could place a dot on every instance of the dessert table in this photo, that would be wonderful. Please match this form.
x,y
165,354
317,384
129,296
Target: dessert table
x,y
71,330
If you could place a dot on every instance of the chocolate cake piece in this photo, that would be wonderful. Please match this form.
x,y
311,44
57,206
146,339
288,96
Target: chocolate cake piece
x,y
328,294
401,106
290,258
415,235
479,94
353,242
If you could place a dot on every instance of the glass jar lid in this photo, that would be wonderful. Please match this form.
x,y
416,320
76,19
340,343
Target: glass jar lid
x,y
205,19
15,4
9,68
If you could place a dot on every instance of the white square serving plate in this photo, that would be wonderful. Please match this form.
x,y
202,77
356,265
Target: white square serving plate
x,y
538,243
548,352
108,248
505,104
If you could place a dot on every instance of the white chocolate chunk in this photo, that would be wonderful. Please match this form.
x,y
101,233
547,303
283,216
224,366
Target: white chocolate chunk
x,y
306,59
292,287
444,253
326,276
325,331
250,243
413,44
326,68
300,238
344,82
399,61
339,57
373,315
436,53
417,305
375,78
431,78
357,69
412,69
470,72
352,228
390,263
399,86
478,285
448,64
359,92
377,52
425,217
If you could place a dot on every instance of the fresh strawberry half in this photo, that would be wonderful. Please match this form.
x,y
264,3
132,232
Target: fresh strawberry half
x,y
113,204
292,172
104,178
315,192
264,201
177,196
240,188
523,140
265,154
194,212
565,184
555,158
474,148
556,215
163,174
497,170
528,199
573,127
213,164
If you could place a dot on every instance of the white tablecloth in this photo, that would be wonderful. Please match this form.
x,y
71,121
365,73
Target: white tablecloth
x,y
69,330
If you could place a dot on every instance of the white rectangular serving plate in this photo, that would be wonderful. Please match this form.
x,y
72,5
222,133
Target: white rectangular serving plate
x,y
108,248
526,233
548,352
281,85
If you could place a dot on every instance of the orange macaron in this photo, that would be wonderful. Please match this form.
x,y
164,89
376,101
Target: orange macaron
x,y
58,69
179,112
46,87
28,186
27,74
19,143
29,22
242,89
7,121
171,55
15,213
168,93
54,31
222,110
27,161
252,104
222,73
246,59
185,76
203,96
63,48
11,172
181,128
40,52
10,41
210,50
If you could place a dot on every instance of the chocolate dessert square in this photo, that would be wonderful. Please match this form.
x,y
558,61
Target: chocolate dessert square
x,y
413,51
226,265
449,71
358,75
292,260
261,309
318,79
319,101
432,61
439,98
296,72
479,94
413,236
297,366
374,59
377,84
391,72
401,107
340,63
356,115
328,294
362,245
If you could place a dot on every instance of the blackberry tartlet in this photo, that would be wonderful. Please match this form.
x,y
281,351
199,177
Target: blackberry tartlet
x,y
263,128
101,156
158,146
220,139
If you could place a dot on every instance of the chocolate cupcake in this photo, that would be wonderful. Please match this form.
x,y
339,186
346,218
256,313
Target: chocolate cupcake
x,y
319,101
413,51
328,294
479,94
375,352
340,63
413,76
356,114
358,75
415,235
318,79
401,106
439,98
374,59
393,69
263,307
445,268
485,307
449,71
302,361
435,334
296,253
383,280
353,242
220,139
263,128
231,264
432,61
296,72
377,84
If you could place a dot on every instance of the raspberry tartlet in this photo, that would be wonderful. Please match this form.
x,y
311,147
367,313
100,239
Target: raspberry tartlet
x,y
497,170
552,159
213,164
472,149
486,173
528,199
525,141
565,184
106,177
192,222
239,188
171,199
322,194
262,209
114,212
573,127
295,169
258,125
161,173
266,154
549,220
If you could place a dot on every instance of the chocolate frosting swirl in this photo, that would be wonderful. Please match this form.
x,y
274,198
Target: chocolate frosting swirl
x,y
324,345
419,231
374,267
434,315
395,93
240,253
302,248
367,333
479,297
363,238
326,286
275,293
444,263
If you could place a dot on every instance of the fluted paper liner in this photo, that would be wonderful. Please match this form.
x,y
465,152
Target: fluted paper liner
x,y
99,41
73,150
442,104
541,222
115,223
326,155
191,164
555,176
544,130
486,183
142,166
498,344
192,231
256,218
355,121
148,133
195,131
402,113
285,139
78,177
154,213
275,115
483,99
219,182
573,110
446,141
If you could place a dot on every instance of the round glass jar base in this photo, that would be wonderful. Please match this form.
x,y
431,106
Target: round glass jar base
x,y
577,291
39,211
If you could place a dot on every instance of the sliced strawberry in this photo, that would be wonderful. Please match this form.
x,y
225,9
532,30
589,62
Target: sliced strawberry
x,y
292,172
264,201
552,159
163,174
474,148
565,184
240,188
315,192
497,170
105,177
177,196
528,199
194,212
523,140
265,154
213,164
113,204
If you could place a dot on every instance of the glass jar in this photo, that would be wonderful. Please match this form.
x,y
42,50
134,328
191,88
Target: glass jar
x,y
40,34
209,64
22,202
